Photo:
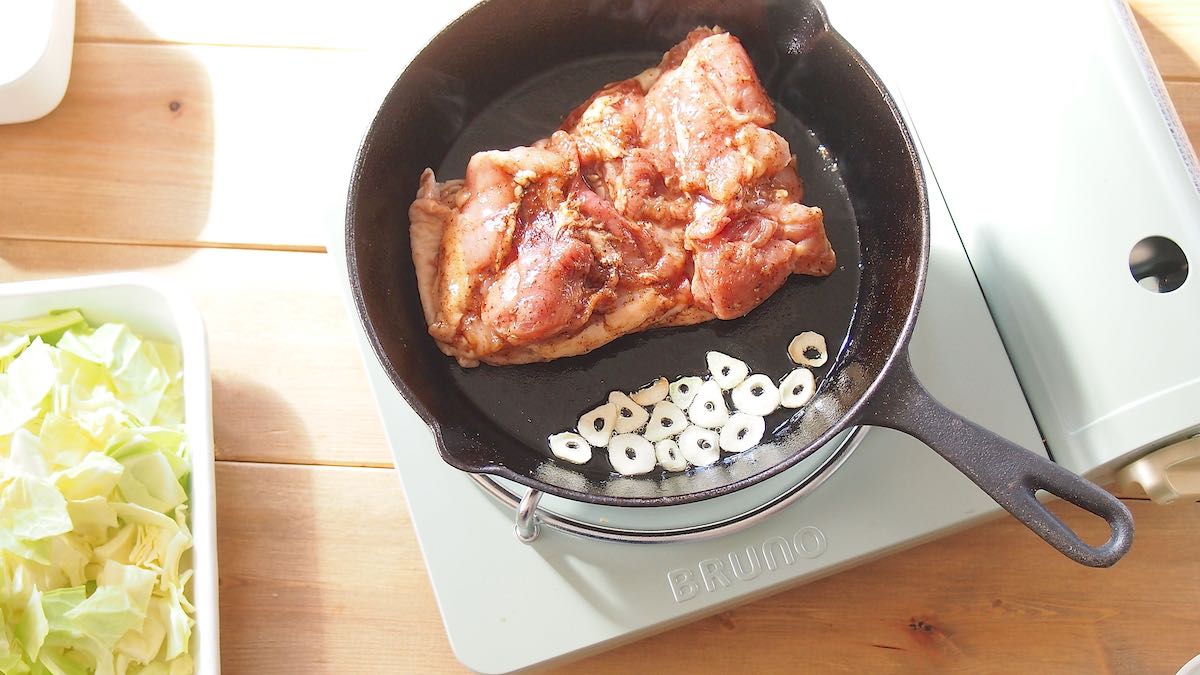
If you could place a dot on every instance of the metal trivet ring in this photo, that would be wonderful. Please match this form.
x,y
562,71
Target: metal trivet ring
x,y
530,517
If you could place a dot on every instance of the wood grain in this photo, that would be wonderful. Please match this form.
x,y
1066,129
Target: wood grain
x,y
1172,31
1171,27
320,573
187,145
345,591
990,600
348,24
1186,98
288,382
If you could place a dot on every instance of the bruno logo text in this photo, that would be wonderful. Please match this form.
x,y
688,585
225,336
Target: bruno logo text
x,y
713,574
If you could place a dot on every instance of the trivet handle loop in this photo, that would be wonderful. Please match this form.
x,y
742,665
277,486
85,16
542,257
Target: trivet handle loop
x,y
528,527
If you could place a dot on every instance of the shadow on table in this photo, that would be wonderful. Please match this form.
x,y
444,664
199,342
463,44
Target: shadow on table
x,y
266,522
127,156
248,416
1173,60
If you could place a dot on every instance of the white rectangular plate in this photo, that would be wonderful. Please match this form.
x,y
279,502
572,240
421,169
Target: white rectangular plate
x,y
156,310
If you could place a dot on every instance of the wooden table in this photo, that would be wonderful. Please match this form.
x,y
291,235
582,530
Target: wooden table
x,y
184,147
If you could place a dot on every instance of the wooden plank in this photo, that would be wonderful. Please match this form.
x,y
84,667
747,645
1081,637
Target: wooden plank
x,y
343,589
1171,27
188,145
1172,31
1185,96
320,573
288,382
993,599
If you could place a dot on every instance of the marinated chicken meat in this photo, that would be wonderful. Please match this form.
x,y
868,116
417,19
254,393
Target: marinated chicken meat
x,y
662,200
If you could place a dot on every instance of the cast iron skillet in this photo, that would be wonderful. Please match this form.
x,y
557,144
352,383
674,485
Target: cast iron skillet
x,y
503,75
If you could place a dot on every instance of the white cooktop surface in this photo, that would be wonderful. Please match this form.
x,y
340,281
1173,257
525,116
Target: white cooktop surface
x,y
507,605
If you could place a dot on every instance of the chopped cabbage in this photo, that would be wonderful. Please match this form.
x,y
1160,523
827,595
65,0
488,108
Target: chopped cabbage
x,y
94,471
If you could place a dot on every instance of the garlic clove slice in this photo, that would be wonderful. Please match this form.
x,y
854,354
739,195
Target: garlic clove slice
x,y
684,390
630,416
669,456
700,446
756,395
797,388
596,425
808,349
726,370
708,409
742,432
570,447
666,420
651,393
631,455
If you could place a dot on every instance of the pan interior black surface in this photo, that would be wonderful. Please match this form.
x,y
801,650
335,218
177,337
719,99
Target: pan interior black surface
x,y
554,394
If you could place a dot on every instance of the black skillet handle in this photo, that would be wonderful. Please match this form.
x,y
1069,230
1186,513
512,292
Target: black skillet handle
x,y
1004,470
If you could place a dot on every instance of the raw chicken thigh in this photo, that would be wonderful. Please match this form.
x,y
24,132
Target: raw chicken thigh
x,y
662,200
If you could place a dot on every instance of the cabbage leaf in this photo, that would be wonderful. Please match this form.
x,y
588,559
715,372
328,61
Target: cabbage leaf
x,y
94,478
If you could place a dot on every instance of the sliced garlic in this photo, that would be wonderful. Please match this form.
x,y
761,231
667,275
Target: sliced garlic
x,y
651,393
742,432
808,349
684,390
570,447
699,446
630,416
631,454
666,420
756,395
797,388
596,426
708,409
726,370
669,456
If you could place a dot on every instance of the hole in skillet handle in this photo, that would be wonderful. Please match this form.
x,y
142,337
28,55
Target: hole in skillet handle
x,y
1007,472
1089,527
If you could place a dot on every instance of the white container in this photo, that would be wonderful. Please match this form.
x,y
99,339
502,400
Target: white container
x,y
159,311
36,37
